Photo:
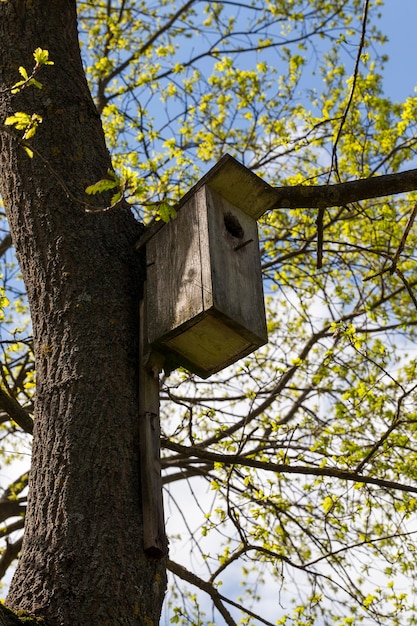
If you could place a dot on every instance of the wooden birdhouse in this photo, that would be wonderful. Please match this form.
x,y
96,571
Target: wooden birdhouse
x,y
205,304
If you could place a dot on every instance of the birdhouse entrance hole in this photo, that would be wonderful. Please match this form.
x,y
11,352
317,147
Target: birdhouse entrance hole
x,y
233,226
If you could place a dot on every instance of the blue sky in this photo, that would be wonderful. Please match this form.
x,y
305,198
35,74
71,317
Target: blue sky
x,y
399,22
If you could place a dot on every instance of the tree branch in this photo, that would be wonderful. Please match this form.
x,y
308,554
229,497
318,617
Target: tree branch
x,y
16,412
323,196
10,553
284,468
403,239
10,508
5,244
218,599
334,164
182,572
12,528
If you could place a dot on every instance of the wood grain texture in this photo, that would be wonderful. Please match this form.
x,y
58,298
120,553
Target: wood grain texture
x,y
154,538
205,303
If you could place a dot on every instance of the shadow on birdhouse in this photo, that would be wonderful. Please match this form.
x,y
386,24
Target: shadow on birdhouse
x,y
205,303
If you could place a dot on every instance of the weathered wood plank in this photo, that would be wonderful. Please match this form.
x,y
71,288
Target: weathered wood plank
x,y
239,185
155,541
174,270
236,266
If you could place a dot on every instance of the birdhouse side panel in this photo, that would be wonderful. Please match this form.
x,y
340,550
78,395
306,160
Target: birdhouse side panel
x,y
203,215
236,267
174,273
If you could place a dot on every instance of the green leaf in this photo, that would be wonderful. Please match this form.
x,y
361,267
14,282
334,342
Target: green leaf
x,y
327,504
101,185
42,57
16,86
28,151
117,196
35,82
166,212
19,119
31,131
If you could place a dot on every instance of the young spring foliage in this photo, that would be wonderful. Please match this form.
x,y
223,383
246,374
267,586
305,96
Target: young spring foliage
x,y
26,121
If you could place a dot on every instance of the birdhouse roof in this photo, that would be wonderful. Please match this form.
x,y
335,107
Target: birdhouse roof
x,y
239,185
235,183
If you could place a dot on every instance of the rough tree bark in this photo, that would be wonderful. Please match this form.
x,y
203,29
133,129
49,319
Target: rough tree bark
x,y
82,560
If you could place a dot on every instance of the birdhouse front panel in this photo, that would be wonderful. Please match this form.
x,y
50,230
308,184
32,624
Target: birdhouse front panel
x,y
204,285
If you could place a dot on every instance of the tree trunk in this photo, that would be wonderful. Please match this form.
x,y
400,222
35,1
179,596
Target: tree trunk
x,y
82,559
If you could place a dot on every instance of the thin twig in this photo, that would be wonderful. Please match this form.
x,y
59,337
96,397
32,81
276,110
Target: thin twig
x,y
334,163
284,468
407,286
403,239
